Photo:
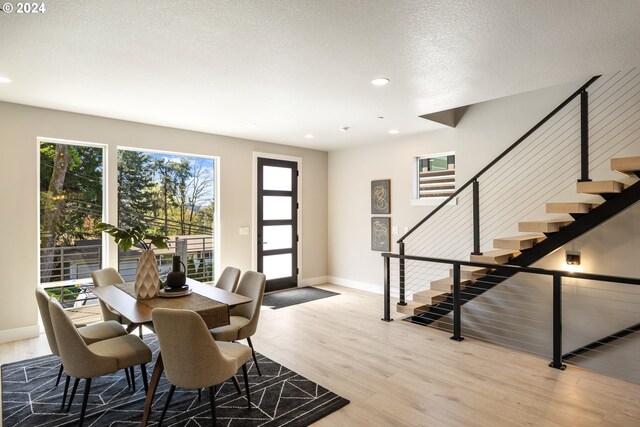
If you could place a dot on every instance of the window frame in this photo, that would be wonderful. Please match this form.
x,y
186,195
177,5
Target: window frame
x,y
418,200
105,206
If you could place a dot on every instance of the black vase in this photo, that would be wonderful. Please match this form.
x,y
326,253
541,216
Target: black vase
x,y
177,279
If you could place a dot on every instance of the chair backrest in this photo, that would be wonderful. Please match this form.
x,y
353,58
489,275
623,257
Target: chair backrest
x,y
107,276
251,285
43,306
77,359
229,279
190,355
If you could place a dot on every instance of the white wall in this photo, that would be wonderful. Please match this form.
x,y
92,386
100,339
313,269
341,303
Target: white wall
x,y
21,125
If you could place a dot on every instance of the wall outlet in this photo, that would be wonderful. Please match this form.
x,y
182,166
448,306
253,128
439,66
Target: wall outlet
x,y
394,230
244,230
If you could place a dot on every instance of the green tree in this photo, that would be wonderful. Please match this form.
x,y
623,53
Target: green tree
x,y
135,189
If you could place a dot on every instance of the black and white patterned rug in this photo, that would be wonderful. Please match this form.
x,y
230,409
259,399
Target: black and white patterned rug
x,y
278,397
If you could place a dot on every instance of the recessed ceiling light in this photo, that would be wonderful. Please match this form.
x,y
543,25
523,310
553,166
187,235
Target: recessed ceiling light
x,y
381,117
393,131
380,82
344,128
5,79
308,136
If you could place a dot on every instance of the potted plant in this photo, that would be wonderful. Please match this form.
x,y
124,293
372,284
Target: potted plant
x,y
147,282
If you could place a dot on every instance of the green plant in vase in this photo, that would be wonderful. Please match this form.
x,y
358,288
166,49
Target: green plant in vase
x,y
147,282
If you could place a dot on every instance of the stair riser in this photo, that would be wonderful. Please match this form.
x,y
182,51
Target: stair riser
x,y
410,310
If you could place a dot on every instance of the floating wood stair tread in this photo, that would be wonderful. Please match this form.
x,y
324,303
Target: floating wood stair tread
x,y
599,187
570,208
626,165
498,256
429,297
412,308
551,226
468,272
446,284
525,241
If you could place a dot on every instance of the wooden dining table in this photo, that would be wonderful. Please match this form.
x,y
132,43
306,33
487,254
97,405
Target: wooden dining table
x,y
139,313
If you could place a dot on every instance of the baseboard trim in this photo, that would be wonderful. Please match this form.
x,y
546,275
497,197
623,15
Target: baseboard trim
x,y
362,286
313,281
16,334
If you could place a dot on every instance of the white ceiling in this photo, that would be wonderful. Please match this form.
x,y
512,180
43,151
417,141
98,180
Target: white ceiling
x,y
296,67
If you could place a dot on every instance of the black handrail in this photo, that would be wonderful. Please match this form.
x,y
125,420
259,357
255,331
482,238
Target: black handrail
x,y
500,156
519,269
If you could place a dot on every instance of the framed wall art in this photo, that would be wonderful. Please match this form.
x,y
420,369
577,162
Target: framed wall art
x,y
380,197
380,233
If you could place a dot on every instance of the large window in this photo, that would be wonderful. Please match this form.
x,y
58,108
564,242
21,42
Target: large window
x,y
71,203
435,175
172,195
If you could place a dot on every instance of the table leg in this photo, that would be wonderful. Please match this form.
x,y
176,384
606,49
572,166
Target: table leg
x,y
155,379
132,327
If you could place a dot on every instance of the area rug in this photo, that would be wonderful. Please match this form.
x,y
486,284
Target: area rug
x,y
279,397
295,296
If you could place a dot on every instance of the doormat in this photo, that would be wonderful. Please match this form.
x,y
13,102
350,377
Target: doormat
x,y
295,296
279,397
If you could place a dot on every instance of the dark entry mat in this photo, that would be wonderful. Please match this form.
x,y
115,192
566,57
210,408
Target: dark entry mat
x,y
295,296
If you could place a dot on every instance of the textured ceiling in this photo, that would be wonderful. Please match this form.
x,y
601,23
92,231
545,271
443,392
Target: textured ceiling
x,y
296,67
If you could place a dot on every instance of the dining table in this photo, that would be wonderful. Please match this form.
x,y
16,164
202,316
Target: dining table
x,y
214,309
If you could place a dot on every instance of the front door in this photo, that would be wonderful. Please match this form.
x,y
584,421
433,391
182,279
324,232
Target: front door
x,y
278,223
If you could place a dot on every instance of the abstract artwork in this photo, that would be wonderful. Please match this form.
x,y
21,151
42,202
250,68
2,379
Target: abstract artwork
x,y
380,233
380,197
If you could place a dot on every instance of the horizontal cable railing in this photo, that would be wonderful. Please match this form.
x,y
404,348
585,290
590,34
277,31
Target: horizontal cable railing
x,y
551,313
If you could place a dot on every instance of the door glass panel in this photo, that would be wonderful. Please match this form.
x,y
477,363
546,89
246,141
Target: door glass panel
x,y
276,207
275,178
276,237
276,266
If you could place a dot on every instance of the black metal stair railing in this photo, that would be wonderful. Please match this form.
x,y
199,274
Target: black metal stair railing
x,y
457,300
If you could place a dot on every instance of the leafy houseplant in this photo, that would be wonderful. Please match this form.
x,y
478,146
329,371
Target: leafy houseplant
x,y
147,277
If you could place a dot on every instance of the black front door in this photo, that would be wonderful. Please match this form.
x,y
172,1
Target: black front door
x,y
278,223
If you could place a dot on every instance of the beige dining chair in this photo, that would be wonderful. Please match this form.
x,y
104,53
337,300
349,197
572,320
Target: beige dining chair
x,y
229,279
90,334
192,359
87,361
110,276
244,318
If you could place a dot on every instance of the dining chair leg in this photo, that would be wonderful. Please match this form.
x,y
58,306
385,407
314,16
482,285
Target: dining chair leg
x,y
73,393
140,332
145,382
133,379
246,384
212,404
253,352
59,375
66,389
126,371
199,394
166,404
85,399
237,384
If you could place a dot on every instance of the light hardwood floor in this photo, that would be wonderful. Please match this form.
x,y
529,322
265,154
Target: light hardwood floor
x,y
400,374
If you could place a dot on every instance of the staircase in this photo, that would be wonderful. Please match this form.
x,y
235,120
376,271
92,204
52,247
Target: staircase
x,y
542,237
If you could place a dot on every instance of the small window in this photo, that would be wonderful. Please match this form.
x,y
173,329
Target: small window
x,y
436,175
